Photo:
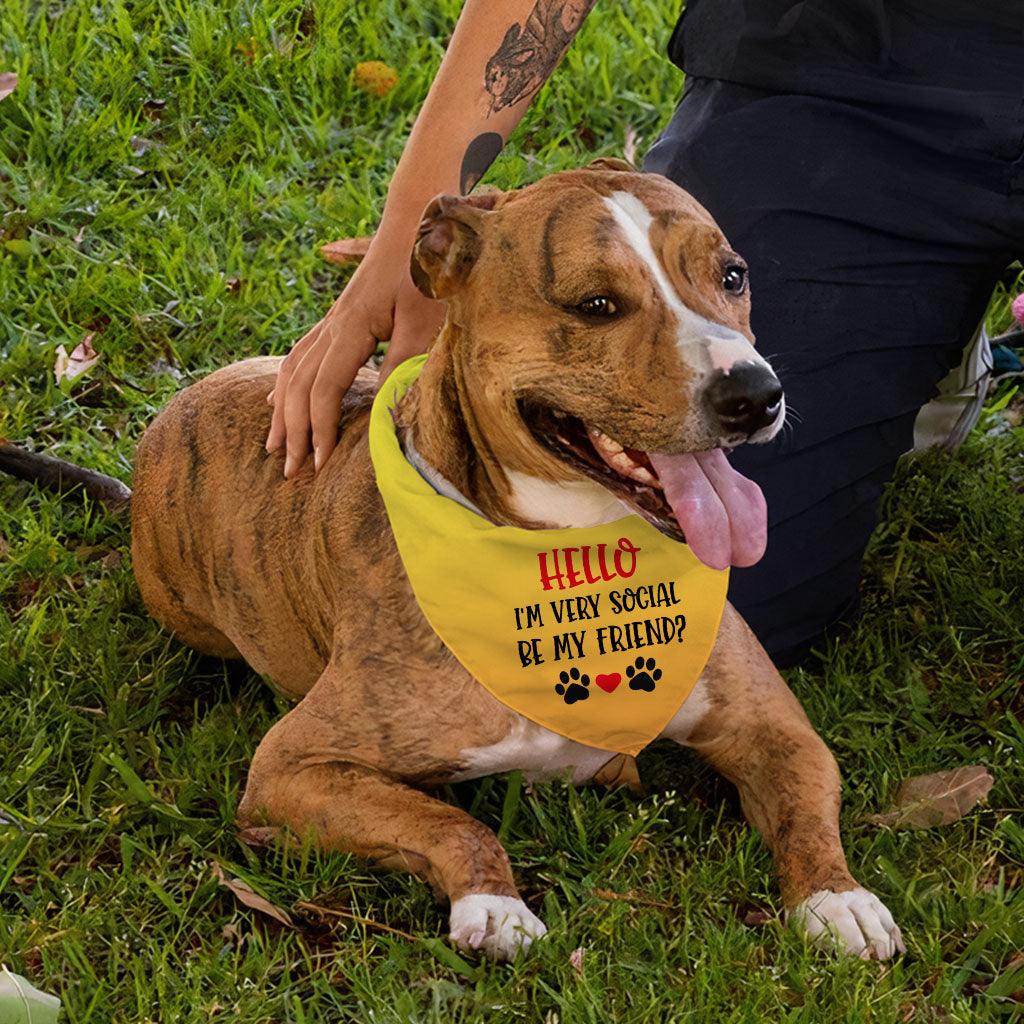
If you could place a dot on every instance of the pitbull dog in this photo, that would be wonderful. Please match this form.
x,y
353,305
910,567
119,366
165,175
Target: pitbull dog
x,y
596,360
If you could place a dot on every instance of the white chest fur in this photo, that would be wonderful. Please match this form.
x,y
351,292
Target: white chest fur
x,y
542,754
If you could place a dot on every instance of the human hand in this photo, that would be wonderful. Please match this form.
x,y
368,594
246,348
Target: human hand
x,y
380,303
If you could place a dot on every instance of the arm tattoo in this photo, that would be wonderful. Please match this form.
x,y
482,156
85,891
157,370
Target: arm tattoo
x,y
480,154
529,52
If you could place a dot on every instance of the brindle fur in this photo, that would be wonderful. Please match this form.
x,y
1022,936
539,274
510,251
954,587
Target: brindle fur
x,y
302,578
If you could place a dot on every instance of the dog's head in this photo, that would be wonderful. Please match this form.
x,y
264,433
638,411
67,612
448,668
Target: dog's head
x,y
601,326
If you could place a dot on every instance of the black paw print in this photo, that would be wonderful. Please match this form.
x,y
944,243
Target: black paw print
x,y
642,675
573,686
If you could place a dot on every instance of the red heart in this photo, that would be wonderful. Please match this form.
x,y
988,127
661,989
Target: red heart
x,y
608,682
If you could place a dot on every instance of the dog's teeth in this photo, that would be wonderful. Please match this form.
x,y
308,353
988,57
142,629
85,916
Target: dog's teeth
x,y
603,443
645,476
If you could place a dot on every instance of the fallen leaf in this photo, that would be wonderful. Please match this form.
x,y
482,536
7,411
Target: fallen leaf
x,y
161,366
141,145
91,552
152,108
112,560
375,77
247,48
629,147
68,367
259,835
232,935
8,83
307,22
936,799
586,135
5,548
244,893
756,918
576,960
346,250
20,1001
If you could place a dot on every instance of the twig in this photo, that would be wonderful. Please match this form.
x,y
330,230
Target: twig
x,y
333,912
60,476
632,897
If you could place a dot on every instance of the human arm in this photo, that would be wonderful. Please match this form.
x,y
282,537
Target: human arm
x,y
501,53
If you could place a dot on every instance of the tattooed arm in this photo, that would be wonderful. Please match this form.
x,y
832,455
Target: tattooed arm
x,y
501,53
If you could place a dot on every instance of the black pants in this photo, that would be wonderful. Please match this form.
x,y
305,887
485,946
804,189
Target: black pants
x,y
874,236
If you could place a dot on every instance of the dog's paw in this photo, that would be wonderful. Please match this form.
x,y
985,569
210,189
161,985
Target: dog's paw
x,y
501,926
855,922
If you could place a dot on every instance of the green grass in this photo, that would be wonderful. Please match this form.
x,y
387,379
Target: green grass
x,y
122,753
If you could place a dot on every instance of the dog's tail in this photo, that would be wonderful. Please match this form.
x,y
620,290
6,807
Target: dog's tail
x,y
62,477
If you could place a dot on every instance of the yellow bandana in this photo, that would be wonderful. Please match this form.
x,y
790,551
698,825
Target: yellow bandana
x,y
598,633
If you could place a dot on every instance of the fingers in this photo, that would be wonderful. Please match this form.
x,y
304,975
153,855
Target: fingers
x,y
296,407
276,435
313,379
336,373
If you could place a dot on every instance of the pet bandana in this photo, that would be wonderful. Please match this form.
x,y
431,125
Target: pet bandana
x,y
598,633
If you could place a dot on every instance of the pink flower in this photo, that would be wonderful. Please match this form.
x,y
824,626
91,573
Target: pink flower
x,y
1018,309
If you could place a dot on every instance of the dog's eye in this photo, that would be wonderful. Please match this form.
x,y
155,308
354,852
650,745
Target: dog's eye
x,y
734,279
597,305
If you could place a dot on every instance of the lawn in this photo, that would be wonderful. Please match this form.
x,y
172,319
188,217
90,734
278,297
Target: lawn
x,y
167,171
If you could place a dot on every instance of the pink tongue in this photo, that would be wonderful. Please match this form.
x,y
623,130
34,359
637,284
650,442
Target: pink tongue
x,y
722,513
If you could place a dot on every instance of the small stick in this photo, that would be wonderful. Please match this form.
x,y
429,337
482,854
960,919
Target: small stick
x,y
60,476
632,897
332,912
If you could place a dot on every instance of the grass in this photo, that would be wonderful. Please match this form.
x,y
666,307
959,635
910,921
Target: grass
x,y
167,169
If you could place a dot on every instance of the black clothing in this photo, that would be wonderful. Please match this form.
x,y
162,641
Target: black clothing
x,y
875,229
929,54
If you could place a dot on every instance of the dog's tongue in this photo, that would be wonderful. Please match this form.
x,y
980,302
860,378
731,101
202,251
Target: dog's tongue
x,y
721,512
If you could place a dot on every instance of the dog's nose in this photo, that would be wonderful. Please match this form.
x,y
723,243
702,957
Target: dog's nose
x,y
745,399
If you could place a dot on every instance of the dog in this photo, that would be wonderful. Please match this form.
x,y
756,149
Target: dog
x,y
597,337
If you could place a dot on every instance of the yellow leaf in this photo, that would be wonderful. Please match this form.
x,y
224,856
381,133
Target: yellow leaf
x,y
375,77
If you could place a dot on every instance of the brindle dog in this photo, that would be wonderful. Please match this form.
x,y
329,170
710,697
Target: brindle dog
x,y
302,578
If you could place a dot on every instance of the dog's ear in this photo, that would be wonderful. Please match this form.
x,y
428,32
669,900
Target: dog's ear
x,y
610,163
449,242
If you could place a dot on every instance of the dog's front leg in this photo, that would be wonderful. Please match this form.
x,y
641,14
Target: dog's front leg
x,y
300,779
750,727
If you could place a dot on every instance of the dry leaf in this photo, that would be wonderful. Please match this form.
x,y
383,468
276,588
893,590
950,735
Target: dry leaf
x,y
346,250
576,960
756,918
8,83
243,892
140,145
259,835
936,799
152,108
248,48
68,367
375,77
629,148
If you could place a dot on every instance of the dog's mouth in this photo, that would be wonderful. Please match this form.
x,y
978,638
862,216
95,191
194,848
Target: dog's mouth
x,y
626,472
696,497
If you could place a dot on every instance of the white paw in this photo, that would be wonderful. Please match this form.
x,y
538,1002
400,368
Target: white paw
x,y
499,925
855,922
